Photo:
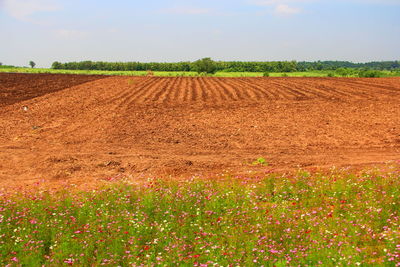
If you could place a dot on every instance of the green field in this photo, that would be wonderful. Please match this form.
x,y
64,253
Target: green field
x,y
332,218
187,74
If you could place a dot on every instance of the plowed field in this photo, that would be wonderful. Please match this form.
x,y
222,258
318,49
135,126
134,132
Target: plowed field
x,y
84,129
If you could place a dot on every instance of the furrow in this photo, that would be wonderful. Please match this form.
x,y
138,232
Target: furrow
x,y
131,96
157,94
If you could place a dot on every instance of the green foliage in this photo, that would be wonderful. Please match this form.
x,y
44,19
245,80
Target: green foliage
x,y
56,65
260,161
330,74
32,64
334,65
6,68
266,74
205,65
369,74
345,72
231,66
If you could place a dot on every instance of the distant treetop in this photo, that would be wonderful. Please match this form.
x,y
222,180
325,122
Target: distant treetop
x,y
209,66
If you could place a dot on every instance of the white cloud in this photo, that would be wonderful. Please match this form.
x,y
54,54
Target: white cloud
x,y
286,10
186,11
23,9
281,7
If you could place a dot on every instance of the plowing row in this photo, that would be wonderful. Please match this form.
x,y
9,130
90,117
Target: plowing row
x,y
82,129
220,90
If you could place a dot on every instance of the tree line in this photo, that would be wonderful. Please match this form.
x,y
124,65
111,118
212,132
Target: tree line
x,y
227,66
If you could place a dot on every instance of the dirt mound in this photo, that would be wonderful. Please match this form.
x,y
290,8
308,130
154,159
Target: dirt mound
x,y
142,126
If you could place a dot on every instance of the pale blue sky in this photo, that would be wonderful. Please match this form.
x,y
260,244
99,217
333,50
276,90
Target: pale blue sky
x,y
167,31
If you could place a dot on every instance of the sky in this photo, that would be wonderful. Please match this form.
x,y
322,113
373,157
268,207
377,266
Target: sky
x,y
185,30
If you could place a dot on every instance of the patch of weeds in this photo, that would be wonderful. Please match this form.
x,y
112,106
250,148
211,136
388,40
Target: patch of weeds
x,y
260,161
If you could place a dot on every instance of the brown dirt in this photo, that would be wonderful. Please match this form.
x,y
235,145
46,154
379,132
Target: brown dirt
x,y
104,129
16,88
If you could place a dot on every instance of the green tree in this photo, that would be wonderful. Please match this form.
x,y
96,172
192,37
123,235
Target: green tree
x,y
32,64
56,65
205,65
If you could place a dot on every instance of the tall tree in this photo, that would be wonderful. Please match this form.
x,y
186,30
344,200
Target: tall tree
x,y
206,65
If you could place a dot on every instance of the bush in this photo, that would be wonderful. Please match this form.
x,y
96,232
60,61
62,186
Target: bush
x,y
266,74
330,74
205,65
369,74
344,72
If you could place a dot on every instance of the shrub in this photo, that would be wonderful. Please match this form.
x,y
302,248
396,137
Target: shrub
x,y
266,74
330,74
344,72
205,65
369,74
32,64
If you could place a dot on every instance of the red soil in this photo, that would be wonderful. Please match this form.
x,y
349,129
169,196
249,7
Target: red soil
x,y
100,129
16,88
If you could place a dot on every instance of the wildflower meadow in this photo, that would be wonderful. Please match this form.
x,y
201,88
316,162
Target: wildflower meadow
x,y
331,218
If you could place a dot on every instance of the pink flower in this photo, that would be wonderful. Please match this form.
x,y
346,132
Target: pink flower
x,y
33,221
69,261
14,259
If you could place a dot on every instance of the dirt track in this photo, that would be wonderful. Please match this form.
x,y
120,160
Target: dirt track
x,y
83,129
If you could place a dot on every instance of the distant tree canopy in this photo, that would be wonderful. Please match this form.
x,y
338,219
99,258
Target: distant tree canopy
x,y
228,66
205,65
32,64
